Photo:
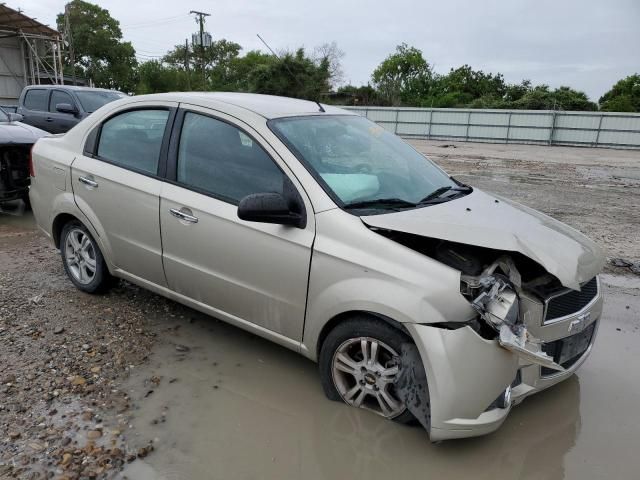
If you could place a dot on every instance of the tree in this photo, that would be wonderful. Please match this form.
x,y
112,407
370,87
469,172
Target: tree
x,y
515,91
472,83
241,69
218,60
352,95
541,97
404,77
334,55
566,98
624,96
155,77
100,54
292,75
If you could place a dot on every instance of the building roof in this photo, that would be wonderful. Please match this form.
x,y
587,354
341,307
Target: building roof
x,y
268,106
15,20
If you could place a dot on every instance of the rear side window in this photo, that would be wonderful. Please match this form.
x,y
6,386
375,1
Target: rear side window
x,y
36,99
133,139
222,160
57,97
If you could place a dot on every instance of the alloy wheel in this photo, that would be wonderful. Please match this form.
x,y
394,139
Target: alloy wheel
x,y
364,370
80,255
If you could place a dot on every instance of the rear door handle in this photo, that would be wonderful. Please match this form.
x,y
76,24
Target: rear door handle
x,y
49,119
183,216
88,182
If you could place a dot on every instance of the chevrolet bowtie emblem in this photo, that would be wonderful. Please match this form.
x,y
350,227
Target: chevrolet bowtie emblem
x,y
579,323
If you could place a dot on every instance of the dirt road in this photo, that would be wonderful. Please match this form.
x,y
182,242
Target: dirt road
x,y
94,384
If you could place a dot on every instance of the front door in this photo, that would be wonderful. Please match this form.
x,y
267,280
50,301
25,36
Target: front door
x,y
118,188
247,271
60,121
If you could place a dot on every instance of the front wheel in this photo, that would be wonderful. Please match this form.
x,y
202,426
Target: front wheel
x,y
359,364
83,260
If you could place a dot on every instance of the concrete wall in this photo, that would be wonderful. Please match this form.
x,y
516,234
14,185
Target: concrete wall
x,y
592,129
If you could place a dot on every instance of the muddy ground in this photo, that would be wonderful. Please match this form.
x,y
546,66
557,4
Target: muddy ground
x,y
94,384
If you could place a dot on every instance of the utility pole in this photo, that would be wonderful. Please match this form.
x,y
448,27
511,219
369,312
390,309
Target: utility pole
x,y
201,16
69,39
186,63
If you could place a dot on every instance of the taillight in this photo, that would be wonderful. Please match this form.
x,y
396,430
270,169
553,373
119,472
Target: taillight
x,y
32,172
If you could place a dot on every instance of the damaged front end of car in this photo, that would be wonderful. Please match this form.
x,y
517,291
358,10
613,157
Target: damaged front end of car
x,y
495,295
493,282
506,293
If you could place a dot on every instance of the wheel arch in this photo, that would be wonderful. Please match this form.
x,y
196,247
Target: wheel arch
x,y
344,316
58,224
64,217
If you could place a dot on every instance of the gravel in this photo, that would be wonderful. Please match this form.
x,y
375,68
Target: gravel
x,y
64,355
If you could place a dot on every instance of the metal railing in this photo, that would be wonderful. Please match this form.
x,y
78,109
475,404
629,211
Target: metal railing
x,y
549,127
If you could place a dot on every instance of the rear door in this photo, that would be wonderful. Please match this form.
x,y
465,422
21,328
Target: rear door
x,y
117,184
247,271
35,108
60,122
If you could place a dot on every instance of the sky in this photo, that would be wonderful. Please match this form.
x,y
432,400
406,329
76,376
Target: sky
x,y
585,44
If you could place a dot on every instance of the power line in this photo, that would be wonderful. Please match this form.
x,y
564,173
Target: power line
x,y
157,21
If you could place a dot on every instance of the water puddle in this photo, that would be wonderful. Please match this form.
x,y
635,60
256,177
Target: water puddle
x,y
233,406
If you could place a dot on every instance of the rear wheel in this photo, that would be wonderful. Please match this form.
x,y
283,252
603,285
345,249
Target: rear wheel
x,y
359,363
83,260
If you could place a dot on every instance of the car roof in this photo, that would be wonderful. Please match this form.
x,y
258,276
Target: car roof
x,y
268,106
72,87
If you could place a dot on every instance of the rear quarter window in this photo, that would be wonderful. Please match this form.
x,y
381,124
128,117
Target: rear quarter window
x,y
36,99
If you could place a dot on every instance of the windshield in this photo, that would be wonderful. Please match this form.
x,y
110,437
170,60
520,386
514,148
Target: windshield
x,y
91,101
3,116
362,165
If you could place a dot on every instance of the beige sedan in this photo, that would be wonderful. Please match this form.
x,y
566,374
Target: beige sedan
x,y
421,298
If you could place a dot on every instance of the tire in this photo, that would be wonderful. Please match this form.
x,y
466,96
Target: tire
x,y
343,345
82,259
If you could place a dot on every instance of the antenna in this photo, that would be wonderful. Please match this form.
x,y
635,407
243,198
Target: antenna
x,y
289,70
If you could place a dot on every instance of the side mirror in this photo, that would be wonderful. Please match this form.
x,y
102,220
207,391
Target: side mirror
x,y
66,108
14,117
269,208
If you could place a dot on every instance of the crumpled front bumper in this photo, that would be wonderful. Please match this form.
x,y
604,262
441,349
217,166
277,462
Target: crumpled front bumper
x,y
466,373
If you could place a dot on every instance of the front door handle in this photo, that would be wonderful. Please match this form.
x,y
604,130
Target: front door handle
x,y
49,119
183,216
88,182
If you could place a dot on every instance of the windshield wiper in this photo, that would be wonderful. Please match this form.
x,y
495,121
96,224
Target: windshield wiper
x,y
436,195
381,203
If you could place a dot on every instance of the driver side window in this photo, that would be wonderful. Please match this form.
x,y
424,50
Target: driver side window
x,y
220,159
58,97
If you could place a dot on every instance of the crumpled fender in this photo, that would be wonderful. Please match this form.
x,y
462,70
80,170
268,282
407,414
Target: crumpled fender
x,y
465,372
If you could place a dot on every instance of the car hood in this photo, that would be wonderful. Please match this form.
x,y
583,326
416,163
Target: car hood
x,y
17,132
495,222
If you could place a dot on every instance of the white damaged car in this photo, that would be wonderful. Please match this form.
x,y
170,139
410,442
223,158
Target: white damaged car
x,y
420,297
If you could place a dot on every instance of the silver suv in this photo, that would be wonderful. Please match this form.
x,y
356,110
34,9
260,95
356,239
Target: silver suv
x,y
420,297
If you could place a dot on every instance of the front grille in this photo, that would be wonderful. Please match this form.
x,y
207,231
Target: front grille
x,y
572,301
567,351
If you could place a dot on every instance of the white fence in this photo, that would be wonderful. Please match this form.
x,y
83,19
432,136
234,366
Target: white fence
x,y
591,129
